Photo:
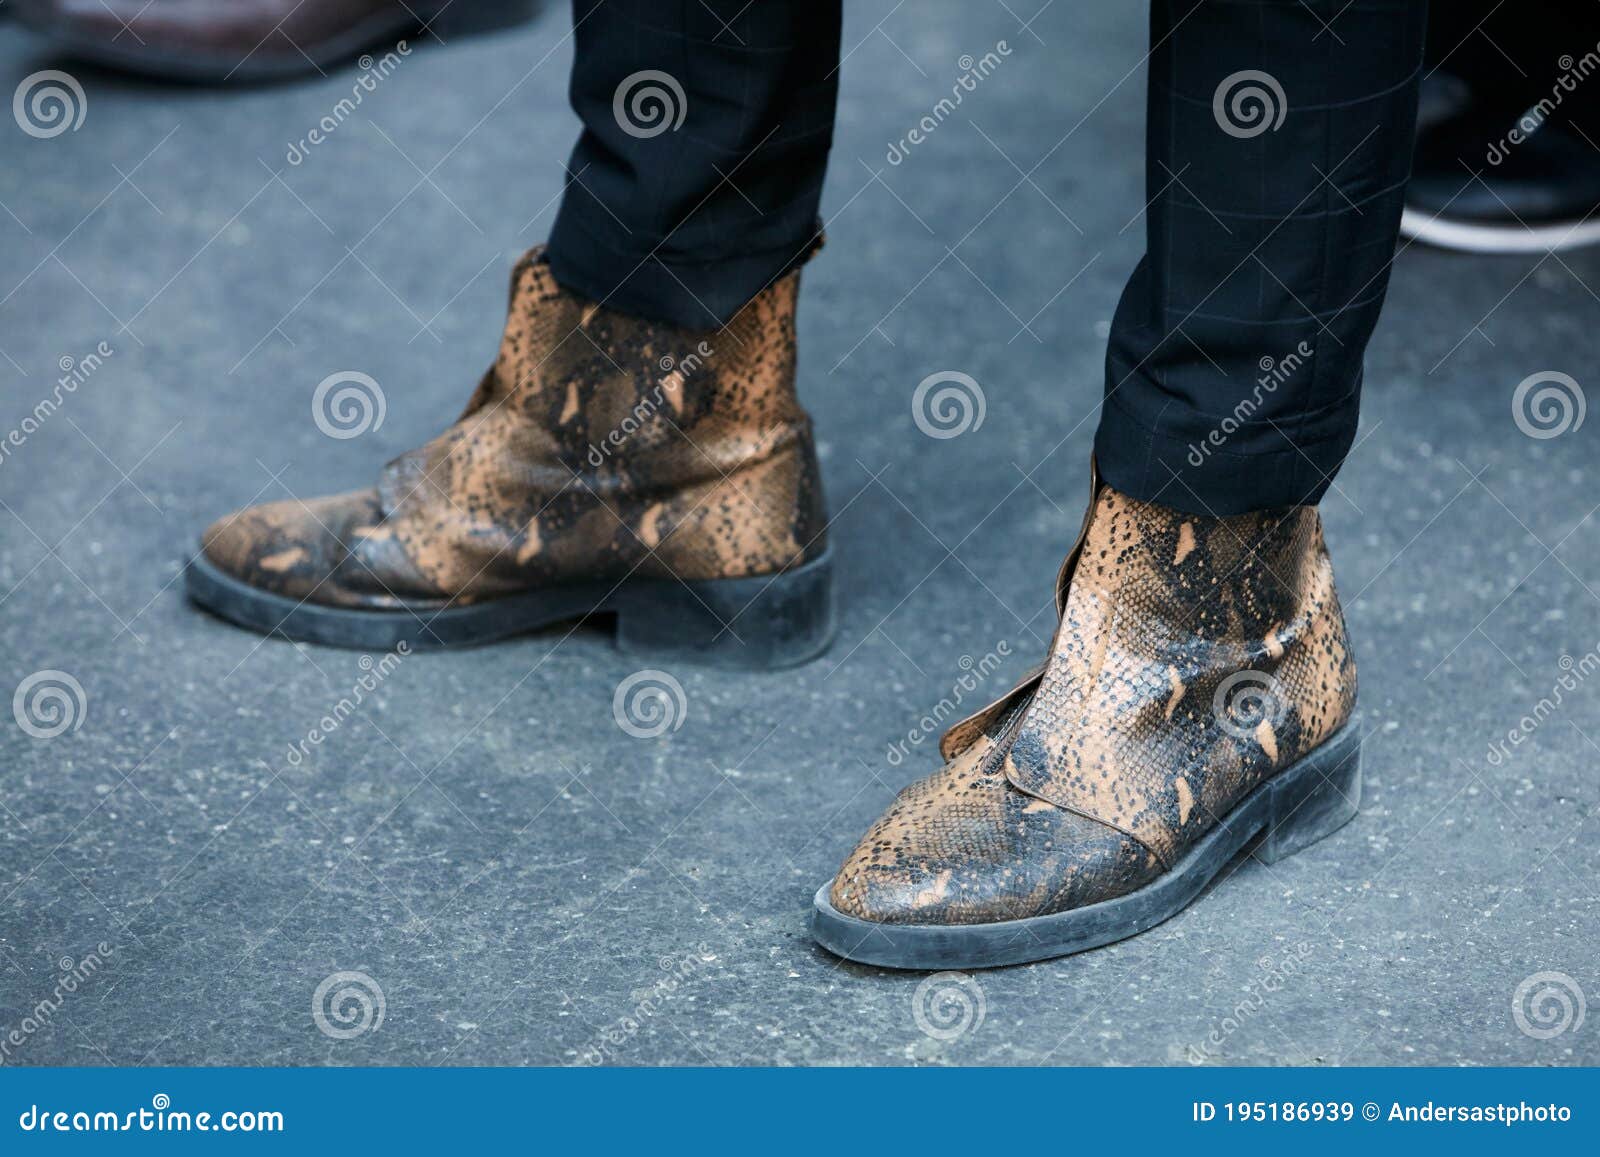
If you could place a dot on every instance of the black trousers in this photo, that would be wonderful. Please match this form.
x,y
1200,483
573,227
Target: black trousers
x,y
1512,56
1278,146
706,129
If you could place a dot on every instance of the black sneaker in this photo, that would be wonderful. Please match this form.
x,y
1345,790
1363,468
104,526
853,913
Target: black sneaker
x,y
1481,185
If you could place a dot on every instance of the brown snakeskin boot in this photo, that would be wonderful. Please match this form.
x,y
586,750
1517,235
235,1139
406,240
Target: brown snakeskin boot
x,y
1197,695
240,41
605,464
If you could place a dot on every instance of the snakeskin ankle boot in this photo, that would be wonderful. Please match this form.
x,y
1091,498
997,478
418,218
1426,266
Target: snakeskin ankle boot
x,y
606,464
1197,697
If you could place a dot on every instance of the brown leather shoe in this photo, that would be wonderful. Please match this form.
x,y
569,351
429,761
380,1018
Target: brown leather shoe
x,y
605,464
244,40
1197,695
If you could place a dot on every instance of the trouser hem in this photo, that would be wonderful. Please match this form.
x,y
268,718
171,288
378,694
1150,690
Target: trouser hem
x,y
704,294
1156,463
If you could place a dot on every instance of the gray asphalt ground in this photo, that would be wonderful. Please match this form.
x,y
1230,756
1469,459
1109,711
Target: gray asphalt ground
x,y
516,878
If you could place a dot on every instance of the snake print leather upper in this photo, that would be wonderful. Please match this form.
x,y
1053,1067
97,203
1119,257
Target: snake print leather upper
x,y
599,446
1194,658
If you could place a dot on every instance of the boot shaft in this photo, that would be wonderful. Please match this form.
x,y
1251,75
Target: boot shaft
x,y
1196,657
601,443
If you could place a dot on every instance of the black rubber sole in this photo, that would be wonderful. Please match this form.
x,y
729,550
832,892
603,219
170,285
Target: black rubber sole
x,y
761,623
458,18
1313,798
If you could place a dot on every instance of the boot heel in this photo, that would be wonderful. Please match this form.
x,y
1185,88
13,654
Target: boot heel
x,y
470,17
1315,798
760,623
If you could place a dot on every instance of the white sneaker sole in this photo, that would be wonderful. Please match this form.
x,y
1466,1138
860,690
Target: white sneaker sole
x,y
1464,238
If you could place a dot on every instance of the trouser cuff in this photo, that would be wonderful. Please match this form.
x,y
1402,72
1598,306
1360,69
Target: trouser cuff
x,y
1197,466
663,287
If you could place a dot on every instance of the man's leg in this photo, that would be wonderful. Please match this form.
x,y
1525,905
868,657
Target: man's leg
x,y
685,220
638,447
1507,162
1513,56
1279,143
1199,687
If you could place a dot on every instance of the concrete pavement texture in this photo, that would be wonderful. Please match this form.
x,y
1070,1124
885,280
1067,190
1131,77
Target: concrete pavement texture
x,y
478,865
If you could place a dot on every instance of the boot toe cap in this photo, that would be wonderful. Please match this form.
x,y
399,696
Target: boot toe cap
x,y
960,848
290,547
